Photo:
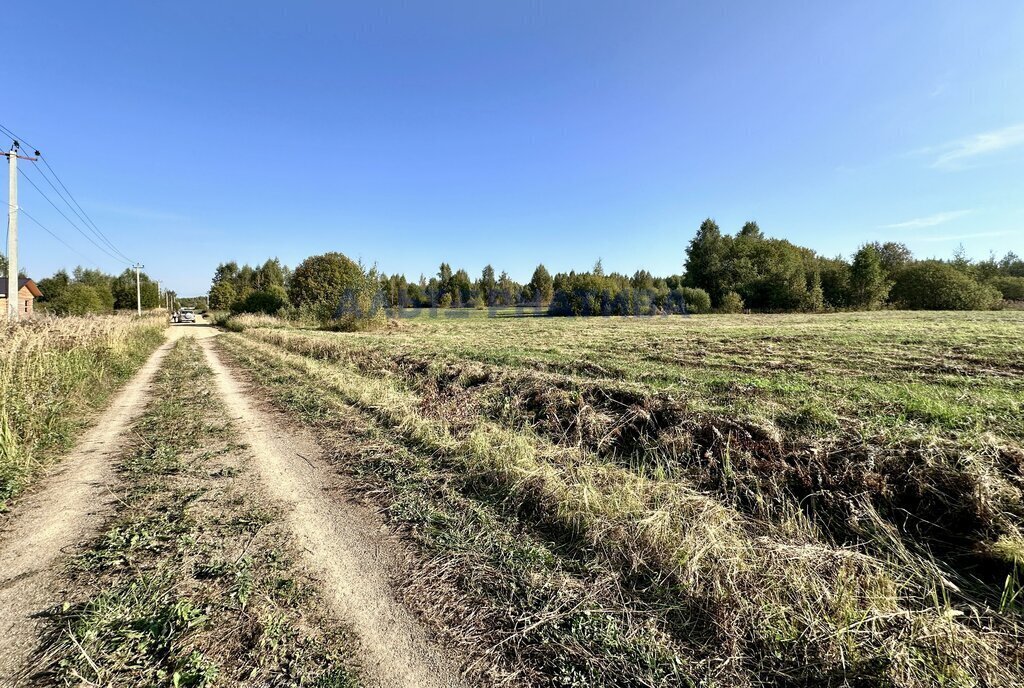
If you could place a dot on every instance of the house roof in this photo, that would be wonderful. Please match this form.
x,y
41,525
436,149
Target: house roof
x,y
22,282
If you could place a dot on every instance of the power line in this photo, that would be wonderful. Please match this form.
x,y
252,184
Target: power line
x,y
83,216
84,221
55,236
87,217
14,137
50,232
62,196
79,229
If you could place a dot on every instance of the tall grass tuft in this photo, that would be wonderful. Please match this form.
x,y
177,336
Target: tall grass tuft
x,y
53,373
247,321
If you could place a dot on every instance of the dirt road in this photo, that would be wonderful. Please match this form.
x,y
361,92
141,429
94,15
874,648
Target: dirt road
x,y
63,510
345,545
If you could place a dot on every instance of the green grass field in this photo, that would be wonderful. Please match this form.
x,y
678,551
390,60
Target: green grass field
x,y
713,500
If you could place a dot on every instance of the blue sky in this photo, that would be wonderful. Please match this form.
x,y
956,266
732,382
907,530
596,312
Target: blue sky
x,y
407,133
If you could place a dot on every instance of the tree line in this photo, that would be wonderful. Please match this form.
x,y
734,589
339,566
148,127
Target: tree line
x,y
88,290
259,289
722,272
324,279
455,289
749,270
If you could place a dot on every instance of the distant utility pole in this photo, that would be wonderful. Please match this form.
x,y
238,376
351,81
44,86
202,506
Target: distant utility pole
x,y
138,289
12,232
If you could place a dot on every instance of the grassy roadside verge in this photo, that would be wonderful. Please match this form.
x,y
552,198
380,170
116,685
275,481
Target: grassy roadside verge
x,y
731,599
193,583
526,603
53,375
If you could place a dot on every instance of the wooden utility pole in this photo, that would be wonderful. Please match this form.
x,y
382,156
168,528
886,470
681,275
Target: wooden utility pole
x,y
138,289
12,232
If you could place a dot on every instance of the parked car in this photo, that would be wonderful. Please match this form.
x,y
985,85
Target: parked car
x,y
187,315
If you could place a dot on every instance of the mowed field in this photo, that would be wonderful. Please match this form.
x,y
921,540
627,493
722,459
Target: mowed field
x,y
712,500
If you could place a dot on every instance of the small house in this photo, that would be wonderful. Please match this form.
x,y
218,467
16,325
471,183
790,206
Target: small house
x,y
28,292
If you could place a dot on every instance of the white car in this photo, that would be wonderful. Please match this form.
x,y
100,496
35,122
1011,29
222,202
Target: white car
x,y
187,315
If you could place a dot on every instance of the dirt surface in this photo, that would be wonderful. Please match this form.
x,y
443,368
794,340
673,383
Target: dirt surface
x,y
63,510
344,543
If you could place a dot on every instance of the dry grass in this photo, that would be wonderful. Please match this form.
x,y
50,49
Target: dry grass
x,y
248,321
53,372
785,534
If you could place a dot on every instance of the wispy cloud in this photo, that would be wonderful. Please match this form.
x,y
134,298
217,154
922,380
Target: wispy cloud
x,y
929,220
954,154
961,237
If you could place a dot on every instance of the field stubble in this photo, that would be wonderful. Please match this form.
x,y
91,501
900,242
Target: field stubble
x,y
735,500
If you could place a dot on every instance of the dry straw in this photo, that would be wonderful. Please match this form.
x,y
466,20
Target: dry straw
x,y
53,372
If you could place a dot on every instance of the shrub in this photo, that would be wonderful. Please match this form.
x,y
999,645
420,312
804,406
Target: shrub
x,y
934,285
731,303
269,301
217,317
337,293
1012,288
320,282
361,306
79,299
695,300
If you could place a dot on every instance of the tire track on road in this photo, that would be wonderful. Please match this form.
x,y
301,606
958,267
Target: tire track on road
x,y
344,544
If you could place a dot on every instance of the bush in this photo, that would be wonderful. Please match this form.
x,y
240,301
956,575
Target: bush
x,y
934,285
1012,288
337,293
79,299
695,300
217,317
320,282
269,302
361,306
731,303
